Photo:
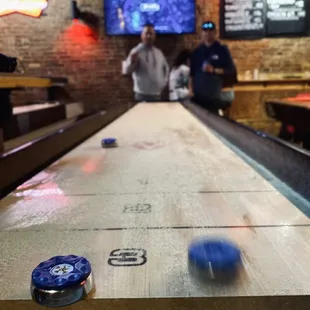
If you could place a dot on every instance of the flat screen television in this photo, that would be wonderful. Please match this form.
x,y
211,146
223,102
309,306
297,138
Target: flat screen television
x,y
127,17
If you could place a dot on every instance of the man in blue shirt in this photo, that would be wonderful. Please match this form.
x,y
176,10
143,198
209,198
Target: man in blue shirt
x,y
212,68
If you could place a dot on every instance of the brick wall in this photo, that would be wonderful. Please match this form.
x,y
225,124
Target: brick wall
x,y
52,46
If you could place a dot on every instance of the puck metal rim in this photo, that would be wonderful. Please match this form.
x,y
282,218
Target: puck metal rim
x,y
64,297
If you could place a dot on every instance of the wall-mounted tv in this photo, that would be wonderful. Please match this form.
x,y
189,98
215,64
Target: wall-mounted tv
x,y
127,17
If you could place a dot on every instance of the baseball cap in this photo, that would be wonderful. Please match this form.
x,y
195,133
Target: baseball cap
x,y
208,26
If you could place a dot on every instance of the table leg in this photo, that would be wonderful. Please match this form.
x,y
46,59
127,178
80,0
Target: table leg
x,y
226,112
285,134
1,141
58,93
305,139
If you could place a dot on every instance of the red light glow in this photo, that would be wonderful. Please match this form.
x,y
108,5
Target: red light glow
x,y
290,129
90,166
80,33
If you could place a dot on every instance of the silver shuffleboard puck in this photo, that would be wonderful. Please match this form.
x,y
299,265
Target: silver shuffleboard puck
x,y
61,281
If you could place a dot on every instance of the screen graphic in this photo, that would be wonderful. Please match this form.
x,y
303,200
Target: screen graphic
x,y
127,17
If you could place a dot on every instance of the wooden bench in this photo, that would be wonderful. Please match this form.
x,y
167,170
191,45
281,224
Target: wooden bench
x,y
54,85
39,118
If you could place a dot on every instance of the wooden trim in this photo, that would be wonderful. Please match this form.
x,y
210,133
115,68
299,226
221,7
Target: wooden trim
x,y
216,303
21,82
10,80
284,77
271,87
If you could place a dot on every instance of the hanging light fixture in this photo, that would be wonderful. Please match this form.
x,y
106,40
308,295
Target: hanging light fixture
x,y
86,22
76,13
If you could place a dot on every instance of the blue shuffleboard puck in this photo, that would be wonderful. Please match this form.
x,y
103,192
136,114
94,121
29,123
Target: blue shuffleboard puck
x,y
214,259
61,281
109,142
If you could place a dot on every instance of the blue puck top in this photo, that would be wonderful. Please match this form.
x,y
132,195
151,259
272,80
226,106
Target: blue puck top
x,y
222,255
61,272
108,141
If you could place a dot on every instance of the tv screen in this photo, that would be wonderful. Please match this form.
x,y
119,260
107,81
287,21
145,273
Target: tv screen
x,y
127,17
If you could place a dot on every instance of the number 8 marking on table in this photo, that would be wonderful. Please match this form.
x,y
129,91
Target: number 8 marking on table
x,y
127,257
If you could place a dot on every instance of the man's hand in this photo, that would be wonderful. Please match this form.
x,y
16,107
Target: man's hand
x,y
208,68
134,57
190,87
219,71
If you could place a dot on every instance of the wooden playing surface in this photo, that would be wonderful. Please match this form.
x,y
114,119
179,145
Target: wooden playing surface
x,y
169,181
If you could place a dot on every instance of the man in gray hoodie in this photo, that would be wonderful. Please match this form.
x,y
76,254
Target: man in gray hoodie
x,y
148,66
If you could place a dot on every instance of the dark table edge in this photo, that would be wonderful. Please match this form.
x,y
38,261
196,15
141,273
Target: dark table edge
x,y
286,104
286,161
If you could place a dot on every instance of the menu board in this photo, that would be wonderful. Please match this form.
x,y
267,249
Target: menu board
x,y
286,17
246,19
242,18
